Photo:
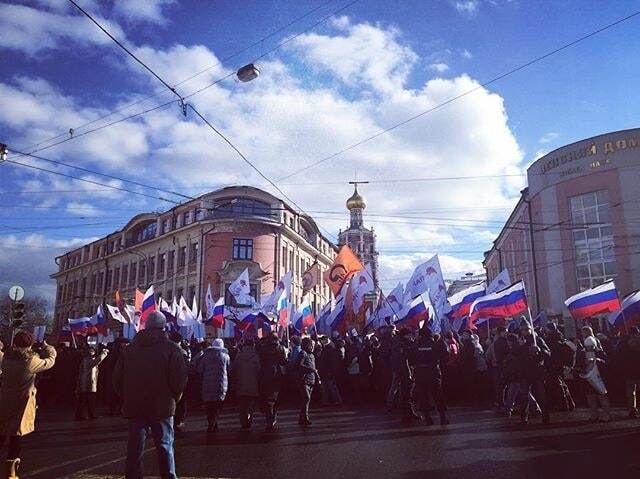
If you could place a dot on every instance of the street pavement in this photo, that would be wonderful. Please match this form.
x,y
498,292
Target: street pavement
x,y
349,444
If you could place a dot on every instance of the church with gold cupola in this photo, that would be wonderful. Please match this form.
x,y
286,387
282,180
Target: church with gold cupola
x,y
360,239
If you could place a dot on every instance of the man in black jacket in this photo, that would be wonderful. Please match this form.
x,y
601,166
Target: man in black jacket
x,y
273,363
307,378
151,376
400,362
427,358
532,356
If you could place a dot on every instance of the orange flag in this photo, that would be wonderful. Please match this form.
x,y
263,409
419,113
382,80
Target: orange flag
x,y
344,267
139,300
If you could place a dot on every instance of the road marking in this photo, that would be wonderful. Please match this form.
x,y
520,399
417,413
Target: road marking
x,y
68,463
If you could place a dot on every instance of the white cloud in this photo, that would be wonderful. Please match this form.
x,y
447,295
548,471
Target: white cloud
x,y
77,208
439,67
364,54
467,54
548,138
34,31
283,122
149,11
467,7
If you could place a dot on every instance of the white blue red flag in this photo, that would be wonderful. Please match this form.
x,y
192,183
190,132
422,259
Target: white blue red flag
x,y
337,318
461,301
305,318
81,326
99,320
629,315
601,299
503,304
148,306
417,313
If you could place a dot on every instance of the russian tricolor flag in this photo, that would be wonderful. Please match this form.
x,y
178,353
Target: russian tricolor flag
x,y
305,316
81,326
601,299
65,335
417,313
148,306
282,309
461,301
629,315
217,319
502,304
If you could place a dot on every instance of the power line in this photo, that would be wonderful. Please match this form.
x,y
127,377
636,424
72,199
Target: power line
x,y
324,19
86,180
106,175
464,94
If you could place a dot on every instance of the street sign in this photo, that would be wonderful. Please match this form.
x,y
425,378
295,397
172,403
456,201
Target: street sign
x,y
16,293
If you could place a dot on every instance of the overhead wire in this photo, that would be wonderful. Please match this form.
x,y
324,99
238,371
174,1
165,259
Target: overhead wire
x,y
463,94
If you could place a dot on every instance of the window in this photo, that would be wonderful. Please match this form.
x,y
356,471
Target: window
x,y
162,259
116,278
109,278
100,281
592,236
192,294
242,248
182,257
193,253
243,207
187,218
132,274
141,272
147,232
83,286
125,275
171,262
151,269
166,225
284,257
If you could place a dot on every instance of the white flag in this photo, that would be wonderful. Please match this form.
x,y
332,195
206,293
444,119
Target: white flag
x,y
209,303
241,289
194,306
393,304
361,284
500,282
185,315
428,277
116,314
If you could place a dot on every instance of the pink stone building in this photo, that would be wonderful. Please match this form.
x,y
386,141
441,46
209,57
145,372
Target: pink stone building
x,y
206,241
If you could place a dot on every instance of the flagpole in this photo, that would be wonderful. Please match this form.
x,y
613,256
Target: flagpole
x,y
624,319
533,330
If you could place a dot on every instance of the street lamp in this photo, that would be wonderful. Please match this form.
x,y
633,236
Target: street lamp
x,y
248,72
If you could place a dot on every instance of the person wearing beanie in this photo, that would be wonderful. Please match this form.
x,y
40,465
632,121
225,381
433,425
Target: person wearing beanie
x,y
150,376
213,369
20,366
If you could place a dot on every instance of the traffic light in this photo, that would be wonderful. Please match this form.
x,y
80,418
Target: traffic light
x,y
18,310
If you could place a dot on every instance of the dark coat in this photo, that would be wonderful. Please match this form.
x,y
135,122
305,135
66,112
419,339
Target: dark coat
x,y
630,357
400,357
273,363
331,362
150,376
427,357
532,364
246,373
213,368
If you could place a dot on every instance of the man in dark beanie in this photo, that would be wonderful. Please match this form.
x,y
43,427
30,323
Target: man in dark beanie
x,y
18,393
151,376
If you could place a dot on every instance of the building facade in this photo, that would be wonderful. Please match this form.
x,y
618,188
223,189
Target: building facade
x,y
207,241
576,225
360,239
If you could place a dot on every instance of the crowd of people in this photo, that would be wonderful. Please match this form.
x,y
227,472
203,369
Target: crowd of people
x,y
150,381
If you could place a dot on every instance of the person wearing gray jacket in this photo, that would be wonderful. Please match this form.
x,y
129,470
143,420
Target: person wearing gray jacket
x,y
87,384
213,368
151,376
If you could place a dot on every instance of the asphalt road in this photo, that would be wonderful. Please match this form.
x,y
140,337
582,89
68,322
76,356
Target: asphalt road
x,y
350,444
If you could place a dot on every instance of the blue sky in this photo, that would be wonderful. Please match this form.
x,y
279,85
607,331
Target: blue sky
x,y
370,66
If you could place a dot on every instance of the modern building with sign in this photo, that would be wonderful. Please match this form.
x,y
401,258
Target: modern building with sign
x,y
206,241
576,225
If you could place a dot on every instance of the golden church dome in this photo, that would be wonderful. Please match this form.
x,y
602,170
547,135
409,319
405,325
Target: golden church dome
x,y
356,201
